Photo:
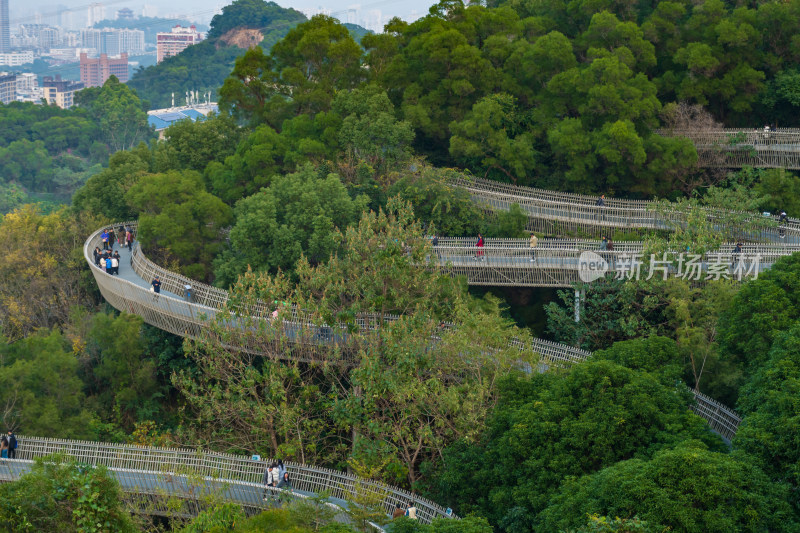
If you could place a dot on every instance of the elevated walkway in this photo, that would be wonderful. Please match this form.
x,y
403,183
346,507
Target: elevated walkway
x,y
152,476
737,148
176,313
557,213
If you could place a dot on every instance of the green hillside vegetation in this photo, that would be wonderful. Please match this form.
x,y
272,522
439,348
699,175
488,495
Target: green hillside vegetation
x,y
47,153
204,66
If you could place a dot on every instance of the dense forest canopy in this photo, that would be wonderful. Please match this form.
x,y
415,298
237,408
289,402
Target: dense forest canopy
x,y
317,188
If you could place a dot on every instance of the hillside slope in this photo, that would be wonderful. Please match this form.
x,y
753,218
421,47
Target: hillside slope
x,y
204,66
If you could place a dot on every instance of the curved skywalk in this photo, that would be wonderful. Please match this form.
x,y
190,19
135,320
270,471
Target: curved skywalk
x,y
176,313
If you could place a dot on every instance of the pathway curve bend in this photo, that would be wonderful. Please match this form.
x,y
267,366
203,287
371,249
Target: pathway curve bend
x,y
174,312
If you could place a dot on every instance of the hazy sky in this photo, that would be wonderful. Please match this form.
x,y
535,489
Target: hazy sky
x,y
202,10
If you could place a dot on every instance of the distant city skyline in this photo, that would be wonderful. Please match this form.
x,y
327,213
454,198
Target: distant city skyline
x,y
372,14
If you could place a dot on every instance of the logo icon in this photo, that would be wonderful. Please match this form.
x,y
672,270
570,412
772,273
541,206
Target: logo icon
x,y
591,267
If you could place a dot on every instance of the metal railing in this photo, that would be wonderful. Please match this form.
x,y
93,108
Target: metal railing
x,y
181,317
556,213
184,495
193,473
735,148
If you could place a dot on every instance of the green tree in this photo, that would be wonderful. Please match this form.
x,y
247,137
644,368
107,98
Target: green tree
x,y
492,138
780,190
659,356
59,494
297,215
27,163
550,427
611,310
105,193
760,311
118,112
179,218
41,390
258,157
769,404
448,210
248,88
689,488
193,145
123,386
314,61
370,130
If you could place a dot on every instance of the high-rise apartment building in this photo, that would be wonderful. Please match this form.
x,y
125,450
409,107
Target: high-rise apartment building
x,y
172,43
8,87
60,92
97,12
5,28
95,71
131,41
91,38
27,81
113,42
49,38
16,59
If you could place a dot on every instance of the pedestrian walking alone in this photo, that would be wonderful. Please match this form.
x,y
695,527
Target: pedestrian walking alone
x,y
601,203
532,245
736,255
156,283
479,254
783,219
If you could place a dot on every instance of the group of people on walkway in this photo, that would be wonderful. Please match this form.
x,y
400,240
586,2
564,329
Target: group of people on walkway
x,y
8,446
123,235
276,476
108,259
410,511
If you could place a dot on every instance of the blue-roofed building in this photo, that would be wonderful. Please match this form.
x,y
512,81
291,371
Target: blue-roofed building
x,y
161,119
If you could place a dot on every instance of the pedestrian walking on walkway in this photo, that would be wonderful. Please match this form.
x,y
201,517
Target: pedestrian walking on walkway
x,y
156,285
479,254
783,219
736,255
12,445
266,480
601,203
114,265
104,238
532,245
